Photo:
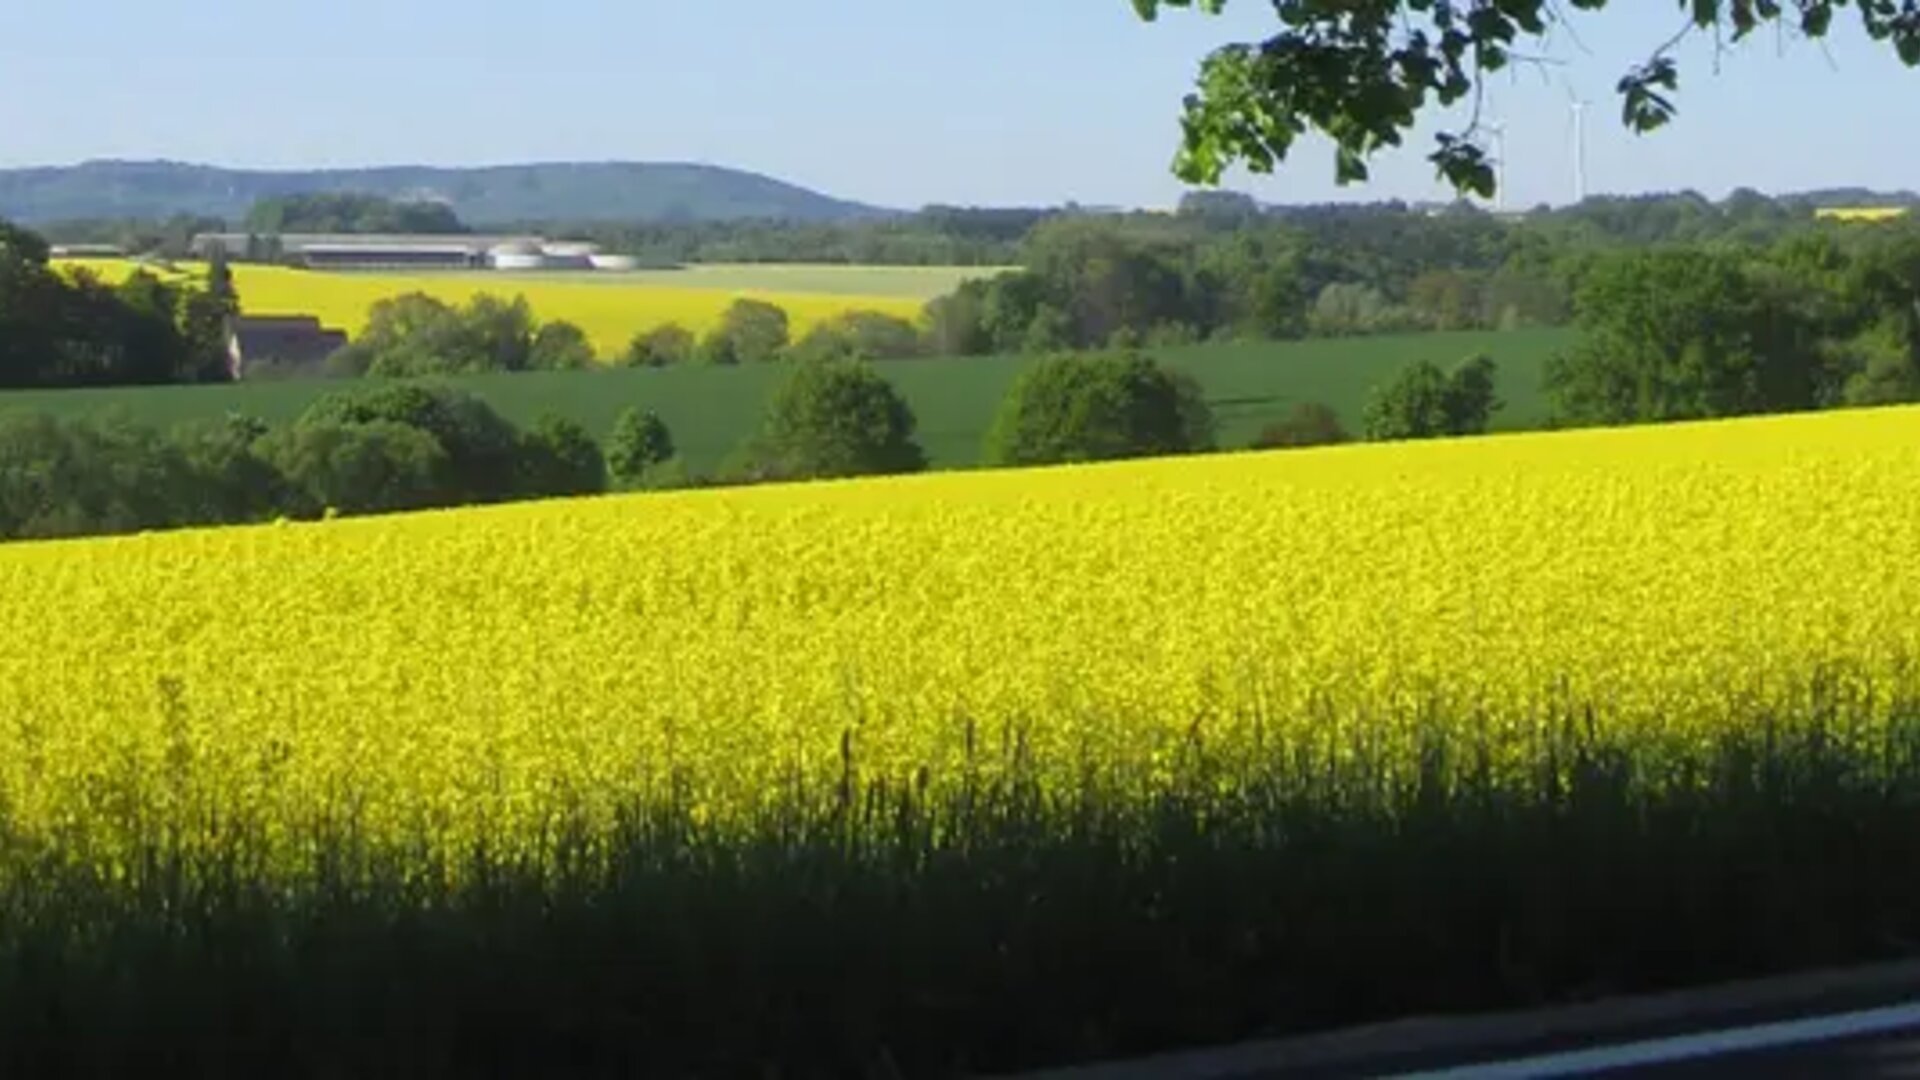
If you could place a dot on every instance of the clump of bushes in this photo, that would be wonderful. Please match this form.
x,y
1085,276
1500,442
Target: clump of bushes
x,y
1423,402
832,418
1308,423
641,452
366,449
1098,407
416,335
662,346
750,332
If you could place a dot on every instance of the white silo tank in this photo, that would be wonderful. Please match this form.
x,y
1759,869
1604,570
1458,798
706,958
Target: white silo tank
x,y
519,255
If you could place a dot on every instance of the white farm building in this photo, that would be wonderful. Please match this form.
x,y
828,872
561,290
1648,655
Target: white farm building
x,y
460,252
517,255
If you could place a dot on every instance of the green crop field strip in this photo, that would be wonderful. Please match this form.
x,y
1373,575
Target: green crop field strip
x,y
712,409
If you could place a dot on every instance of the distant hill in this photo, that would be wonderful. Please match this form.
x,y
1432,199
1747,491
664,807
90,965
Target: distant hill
x,y
609,191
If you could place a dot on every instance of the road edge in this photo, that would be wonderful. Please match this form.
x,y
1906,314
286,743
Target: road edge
x,y
1425,1041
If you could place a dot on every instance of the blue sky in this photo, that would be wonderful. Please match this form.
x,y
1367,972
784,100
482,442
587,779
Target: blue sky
x,y
897,102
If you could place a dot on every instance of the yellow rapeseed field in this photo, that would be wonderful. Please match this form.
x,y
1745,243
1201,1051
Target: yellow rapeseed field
x,y
480,674
609,309
1862,213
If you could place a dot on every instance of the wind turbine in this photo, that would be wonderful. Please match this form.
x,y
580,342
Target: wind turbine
x,y
1579,106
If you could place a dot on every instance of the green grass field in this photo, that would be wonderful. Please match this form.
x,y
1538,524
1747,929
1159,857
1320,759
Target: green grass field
x,y
712,409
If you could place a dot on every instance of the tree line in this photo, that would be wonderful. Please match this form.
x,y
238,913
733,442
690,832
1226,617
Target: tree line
x,y
982,236
1804,318
369,449
1809,318
1220,270
1677,333
416,334
350,212
420,444
1222,267
1757,309
69,329
398,445
1225,268
1815,320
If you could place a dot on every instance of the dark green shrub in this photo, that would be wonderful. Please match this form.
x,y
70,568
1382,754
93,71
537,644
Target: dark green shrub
x,y
1098,407
1421,402
1688,333
1050,331
416,335
1169,335
662,346
830,419
480,448
639,444
559,458
750,332
409,335
560,346
376,466
81,477
860,335
234,482
1308,423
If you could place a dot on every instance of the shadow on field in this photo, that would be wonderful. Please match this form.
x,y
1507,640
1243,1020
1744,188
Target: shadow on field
x,y
1002,916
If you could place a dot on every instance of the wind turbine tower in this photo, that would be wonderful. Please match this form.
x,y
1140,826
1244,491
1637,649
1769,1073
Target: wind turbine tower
x,y
1498,129
1579,106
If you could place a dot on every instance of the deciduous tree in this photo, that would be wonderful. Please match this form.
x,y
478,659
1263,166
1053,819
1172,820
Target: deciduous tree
x,y
860,335
832,419
360,468
558,457
640,442
662,346
560,346
750,332
1364,72
1423,402
1687,334
480,448
1096,407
